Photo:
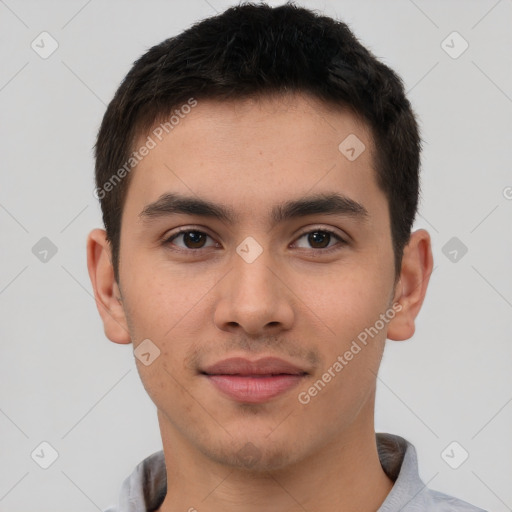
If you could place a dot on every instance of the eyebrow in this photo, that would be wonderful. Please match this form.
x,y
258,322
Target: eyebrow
x,y
319,204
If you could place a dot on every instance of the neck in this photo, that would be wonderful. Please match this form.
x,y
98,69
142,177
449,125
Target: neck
x,y
338,476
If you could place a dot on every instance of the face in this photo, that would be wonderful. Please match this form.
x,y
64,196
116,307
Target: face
x,y
301,284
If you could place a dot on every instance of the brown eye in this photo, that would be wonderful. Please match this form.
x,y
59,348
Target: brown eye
x,y
194,239
321,239
191,239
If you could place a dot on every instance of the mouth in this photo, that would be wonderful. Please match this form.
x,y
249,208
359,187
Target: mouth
x,y
254,382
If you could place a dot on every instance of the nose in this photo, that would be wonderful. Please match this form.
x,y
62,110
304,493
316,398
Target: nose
x,y
252,297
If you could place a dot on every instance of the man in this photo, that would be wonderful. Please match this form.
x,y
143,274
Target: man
x,y
258,177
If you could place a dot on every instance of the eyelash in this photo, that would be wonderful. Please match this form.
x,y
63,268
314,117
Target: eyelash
x,y
341,242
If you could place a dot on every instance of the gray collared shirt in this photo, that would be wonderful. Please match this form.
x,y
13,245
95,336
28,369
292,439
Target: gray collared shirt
x,y
144,490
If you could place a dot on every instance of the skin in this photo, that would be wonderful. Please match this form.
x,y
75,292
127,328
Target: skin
x,y
294,301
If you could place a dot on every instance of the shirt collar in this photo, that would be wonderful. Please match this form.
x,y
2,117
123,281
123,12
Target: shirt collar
x,y
399,461
145,489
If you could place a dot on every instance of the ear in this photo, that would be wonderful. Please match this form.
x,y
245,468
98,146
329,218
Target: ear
x,y
106,290
412,285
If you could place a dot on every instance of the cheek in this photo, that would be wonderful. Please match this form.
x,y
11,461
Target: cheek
x,y
342,302
170,311
346,307
159,298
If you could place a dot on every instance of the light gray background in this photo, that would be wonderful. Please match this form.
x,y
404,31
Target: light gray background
x,y
64,383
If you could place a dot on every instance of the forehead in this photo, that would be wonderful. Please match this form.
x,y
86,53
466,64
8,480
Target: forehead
x,y
252,153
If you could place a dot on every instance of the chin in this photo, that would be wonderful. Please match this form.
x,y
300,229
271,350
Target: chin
x,y
253,455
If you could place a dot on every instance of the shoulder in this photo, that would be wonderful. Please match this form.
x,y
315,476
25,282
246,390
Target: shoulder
x,y
145,488
437,501
409,493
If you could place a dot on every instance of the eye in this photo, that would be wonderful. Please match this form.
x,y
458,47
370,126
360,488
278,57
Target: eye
x,y
191,238
321,238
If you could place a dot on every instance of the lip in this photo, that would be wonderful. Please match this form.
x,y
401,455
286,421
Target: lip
x,y
253,381
245,367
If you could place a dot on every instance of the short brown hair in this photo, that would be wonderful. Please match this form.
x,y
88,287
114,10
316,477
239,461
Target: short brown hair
x,y
254,50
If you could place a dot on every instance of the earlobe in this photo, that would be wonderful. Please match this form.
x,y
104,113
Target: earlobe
x,y
417,263
106,291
